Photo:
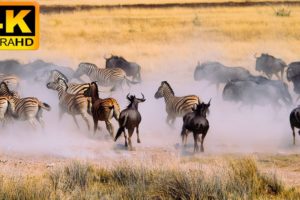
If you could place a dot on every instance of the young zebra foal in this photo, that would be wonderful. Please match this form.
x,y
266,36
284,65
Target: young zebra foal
x,y
197,123
130,118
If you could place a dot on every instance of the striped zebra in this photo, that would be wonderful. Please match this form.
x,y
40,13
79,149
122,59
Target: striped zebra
x,y
73,104
25,109
175,106
12,81
104,77
73,88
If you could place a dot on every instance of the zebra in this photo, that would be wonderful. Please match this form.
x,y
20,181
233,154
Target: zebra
x,y
73,104
104,77
73,88
175,106
12,81
25,109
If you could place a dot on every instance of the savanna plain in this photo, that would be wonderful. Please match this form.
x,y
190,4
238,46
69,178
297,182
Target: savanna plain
x,y
248,152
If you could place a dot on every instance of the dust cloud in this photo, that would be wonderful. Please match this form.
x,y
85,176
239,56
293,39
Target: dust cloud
x,y
233,129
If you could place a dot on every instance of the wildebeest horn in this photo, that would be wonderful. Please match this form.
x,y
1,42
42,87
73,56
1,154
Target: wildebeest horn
x,y
143,97
255,55
209,102
128,97
105,57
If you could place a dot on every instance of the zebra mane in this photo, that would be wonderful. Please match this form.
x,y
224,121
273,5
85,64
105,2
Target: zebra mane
x,y
60,74
64,82
6,89
169,86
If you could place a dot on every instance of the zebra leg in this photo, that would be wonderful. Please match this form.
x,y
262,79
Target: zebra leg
x,y
41,121
196,147
110,128
138,135
75,120
130,132
32,123
86,120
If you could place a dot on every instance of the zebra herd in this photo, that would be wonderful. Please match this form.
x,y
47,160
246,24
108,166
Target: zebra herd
x,y
83,98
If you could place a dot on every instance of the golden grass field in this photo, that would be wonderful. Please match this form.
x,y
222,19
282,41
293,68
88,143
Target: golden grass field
x,y
153,37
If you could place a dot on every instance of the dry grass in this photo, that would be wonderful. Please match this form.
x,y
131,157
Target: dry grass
x,y
235,179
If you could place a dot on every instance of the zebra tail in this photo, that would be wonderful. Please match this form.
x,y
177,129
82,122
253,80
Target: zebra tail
x,y
120,131
89,106
45,106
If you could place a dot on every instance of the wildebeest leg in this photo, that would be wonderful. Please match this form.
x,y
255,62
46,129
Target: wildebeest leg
x,y
196,147
217,87
125,136
130,132
60,114
138,134
202,140
168,119
110,128
298,98
75,120
95,119
293,128
86,120
184,136
281,73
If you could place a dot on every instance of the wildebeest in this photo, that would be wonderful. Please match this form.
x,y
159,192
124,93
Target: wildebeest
x,y
132,69
10,67
270,65
293,75
217,73
197,123
130,118
295,121
260,92
102,109
175,106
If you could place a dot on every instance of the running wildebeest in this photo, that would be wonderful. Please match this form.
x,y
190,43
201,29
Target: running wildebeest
x,y
217,73
132,69
293,75
260,92
295,121
197,123
270,65
130,118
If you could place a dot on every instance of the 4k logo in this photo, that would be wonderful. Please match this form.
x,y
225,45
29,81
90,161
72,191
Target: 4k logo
x,y
19,25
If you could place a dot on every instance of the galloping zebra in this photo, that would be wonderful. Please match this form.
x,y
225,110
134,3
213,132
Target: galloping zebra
x,y
12,81
104,77
73,104
175,106
73,88
26,109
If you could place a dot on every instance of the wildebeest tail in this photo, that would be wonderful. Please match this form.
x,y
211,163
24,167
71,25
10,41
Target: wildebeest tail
x,y
44,106
120,131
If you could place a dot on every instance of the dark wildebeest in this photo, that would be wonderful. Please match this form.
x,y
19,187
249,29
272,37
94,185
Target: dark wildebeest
x,y
10,67
217,73
197,123
132,69
295,121
270,65
293,75
130,118
260,92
